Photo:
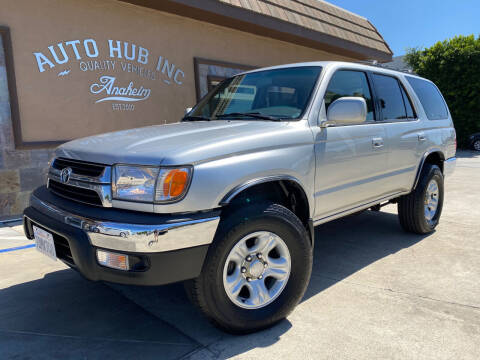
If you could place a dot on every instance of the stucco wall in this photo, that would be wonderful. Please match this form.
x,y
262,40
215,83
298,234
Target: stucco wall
x,y
57,102
20,171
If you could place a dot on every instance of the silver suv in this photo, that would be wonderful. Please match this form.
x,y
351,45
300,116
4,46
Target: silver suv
x,y
227,199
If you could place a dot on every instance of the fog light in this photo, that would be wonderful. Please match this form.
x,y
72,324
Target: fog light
x,y
112,260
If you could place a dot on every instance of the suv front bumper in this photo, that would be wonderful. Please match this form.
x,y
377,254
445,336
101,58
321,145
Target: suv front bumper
x,y
162,248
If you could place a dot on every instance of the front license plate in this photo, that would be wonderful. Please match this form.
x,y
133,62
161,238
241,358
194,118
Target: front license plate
x,y
44,242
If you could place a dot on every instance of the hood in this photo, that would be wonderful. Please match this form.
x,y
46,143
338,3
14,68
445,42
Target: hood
x,y
183,143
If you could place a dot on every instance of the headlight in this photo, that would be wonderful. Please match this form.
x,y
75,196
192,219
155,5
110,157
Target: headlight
x,y
150,184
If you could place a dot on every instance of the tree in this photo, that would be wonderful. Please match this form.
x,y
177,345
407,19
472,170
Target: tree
x,y
454,66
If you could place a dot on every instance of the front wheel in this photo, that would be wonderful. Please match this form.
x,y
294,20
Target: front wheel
x,y
256,270
419,212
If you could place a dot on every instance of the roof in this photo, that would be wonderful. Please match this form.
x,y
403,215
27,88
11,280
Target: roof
x,y
312,23
319,16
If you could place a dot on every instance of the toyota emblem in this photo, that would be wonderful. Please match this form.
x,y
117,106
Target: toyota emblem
x,y
65,175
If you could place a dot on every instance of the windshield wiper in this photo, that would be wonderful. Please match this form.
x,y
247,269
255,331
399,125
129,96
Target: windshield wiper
x,y
195,118
255,115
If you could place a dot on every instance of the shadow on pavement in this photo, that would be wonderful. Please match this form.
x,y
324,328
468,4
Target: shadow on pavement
x,y
347,245
64,316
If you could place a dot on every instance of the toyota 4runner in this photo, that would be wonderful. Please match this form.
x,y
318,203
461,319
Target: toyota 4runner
x,y
227,199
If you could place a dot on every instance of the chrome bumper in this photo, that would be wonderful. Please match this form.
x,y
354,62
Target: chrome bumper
x,y
175,235
449,166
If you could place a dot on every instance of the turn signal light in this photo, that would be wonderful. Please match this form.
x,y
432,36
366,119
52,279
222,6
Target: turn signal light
x,y
172,184
112,260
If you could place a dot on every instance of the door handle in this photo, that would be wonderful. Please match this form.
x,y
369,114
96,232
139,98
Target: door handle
x,y
377,142
421,137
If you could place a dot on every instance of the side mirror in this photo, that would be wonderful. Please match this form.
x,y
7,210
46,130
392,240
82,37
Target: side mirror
x,y
346,111
187,110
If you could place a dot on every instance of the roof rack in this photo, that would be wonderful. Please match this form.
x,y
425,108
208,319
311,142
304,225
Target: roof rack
x,y
384,66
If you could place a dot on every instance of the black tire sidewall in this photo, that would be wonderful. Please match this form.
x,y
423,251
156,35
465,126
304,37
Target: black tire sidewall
x,y
301,263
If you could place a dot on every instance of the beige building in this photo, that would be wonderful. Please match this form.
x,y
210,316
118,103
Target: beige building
x,y
76,68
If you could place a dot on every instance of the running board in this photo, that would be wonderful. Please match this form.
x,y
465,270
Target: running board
x,y
386,199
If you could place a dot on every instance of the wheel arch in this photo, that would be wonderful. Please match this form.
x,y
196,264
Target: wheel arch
x,y
434,157
284,189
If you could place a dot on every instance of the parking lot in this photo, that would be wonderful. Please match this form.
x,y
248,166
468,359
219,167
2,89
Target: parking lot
x,y
375,292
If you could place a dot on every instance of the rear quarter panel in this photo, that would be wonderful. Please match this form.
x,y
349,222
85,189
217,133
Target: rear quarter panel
x,y
440,134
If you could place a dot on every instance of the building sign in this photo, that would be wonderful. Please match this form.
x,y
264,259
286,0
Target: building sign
x,y
89,67
135,61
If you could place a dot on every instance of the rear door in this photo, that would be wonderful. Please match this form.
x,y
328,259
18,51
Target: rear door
x,y
405,140
351,159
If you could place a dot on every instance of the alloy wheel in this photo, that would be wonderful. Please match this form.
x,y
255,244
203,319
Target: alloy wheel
x,y
256,270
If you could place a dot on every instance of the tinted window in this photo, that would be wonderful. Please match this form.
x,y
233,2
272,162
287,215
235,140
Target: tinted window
x,y
280,93
408,104
349,83
430,97
389,97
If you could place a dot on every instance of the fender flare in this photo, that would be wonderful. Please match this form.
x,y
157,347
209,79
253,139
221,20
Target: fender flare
x,y
248,184
422,162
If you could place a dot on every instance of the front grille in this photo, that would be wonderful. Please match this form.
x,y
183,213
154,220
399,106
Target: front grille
x,y
83,195
79,167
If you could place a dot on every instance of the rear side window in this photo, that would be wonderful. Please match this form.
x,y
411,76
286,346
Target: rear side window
x,y
393,101
349,83
430,97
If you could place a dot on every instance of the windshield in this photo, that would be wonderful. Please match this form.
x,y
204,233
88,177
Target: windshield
x,y
270,95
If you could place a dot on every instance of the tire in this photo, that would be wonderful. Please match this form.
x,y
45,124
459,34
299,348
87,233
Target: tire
x,y
208,291
476,145
412,209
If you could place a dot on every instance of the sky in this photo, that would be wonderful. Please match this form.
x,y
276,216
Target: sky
x,y
417,23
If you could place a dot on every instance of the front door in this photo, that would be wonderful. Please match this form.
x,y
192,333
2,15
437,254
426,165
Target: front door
x,y
351,160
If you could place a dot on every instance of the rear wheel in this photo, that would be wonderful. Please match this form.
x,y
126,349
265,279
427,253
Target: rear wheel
x,y
476,145
419,212
256,270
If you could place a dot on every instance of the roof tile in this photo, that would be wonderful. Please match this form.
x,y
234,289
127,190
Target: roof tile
x,y
319,16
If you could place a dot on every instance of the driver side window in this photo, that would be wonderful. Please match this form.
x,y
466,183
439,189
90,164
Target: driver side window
x,y
350,83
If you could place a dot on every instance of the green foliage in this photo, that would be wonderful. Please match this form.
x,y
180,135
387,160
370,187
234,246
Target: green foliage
x,y
454,66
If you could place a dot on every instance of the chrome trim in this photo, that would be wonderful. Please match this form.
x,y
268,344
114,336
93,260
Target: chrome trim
x,y
104,191
100,184
168,236
449,166
105,178
239,188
